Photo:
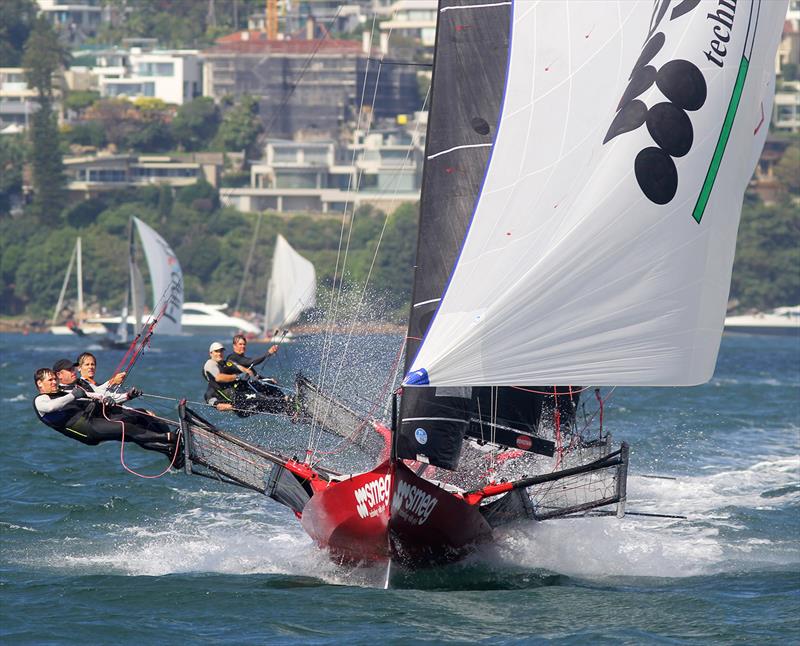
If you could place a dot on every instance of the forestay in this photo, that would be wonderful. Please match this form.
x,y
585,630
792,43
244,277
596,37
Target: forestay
x,y
166,277
292,287
601,246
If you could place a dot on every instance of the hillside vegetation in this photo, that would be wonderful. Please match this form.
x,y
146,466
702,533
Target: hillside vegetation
x,y
212,245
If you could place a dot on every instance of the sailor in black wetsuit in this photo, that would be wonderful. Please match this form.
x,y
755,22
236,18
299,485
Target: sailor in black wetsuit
x,y
275,400
80,415
238,355
221,391
232,386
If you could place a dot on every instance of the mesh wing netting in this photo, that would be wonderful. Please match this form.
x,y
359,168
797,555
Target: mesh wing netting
x,y
217,454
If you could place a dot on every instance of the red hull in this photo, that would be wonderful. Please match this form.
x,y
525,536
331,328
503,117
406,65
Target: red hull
x,y
425,524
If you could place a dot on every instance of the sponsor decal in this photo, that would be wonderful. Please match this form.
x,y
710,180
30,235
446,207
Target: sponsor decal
x,y
373,497
421,435
524,442
683,85
412,504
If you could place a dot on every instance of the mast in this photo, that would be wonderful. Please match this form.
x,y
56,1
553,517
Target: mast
x,y
469,75
80,281
63,291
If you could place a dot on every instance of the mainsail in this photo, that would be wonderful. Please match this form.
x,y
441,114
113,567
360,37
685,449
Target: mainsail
x,y
601,244
166,278
292,287
467,90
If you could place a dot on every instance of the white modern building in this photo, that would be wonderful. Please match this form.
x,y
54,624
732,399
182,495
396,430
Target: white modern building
x,y
17,100
73,20
410,18
381,168
91,175
174,76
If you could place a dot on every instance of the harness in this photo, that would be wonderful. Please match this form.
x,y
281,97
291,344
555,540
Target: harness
x,y
69,420
215,389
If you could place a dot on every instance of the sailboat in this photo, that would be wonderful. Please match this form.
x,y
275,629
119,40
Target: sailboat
x,y
585,169
292,289
75,326
166,280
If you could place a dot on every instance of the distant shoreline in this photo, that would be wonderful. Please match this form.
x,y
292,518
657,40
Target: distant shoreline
x,y
24,325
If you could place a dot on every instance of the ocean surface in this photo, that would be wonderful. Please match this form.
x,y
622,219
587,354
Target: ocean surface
x,y
92,554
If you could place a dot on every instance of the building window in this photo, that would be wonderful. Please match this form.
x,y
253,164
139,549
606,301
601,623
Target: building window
x,y
296,180
156,69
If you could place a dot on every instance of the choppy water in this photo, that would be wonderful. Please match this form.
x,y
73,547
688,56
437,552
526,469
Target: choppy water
x,y
93,554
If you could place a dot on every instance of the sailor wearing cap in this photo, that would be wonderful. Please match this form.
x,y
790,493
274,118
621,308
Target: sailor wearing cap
x,y
220,384
64,370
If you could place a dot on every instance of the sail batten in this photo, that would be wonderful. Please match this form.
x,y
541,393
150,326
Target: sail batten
x,y
601,245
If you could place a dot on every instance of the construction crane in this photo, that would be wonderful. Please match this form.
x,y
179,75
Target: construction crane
x,y
271,22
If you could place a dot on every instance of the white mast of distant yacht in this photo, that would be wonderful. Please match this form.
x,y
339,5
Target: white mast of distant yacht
x,y
76,253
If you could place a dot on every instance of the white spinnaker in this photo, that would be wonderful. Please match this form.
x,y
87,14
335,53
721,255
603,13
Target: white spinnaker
x,y
166,278
569,274
292,287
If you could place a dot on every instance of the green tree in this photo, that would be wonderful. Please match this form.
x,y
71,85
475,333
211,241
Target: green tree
x,y
196,123
766,272
240,127
44,56
787,170
79,100
12,157
16,21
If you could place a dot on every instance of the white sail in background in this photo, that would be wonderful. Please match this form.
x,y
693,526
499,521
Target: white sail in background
x,y
292,287
601,247
166,278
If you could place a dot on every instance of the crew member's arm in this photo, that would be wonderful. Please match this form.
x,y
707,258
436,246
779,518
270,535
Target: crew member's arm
x,y
272,350
45,404
212,370
242,369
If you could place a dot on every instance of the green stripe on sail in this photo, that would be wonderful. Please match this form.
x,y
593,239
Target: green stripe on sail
x,y
727,126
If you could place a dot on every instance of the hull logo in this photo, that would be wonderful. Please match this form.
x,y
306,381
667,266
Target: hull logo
x,y
412,504
373,497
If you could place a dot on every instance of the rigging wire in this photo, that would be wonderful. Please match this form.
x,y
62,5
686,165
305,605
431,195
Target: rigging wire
x,y
393,373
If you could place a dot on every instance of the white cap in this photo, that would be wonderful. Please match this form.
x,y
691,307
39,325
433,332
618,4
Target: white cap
x,y
216,346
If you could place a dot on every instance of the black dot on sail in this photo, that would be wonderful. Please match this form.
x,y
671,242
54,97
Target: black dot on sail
x,y
629,118
671,128
656,175
640,81
480,126
651,48
683,84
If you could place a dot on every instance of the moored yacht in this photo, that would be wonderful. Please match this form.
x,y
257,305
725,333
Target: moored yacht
x,y
780,321
197,318
202,317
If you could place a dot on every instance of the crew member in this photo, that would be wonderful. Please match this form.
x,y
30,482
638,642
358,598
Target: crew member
x,y
239,358
232,386
77,414
220,392
64,370
273,400
87,368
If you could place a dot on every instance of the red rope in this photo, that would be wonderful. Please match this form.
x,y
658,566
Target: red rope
x,y
600,400
557,420
122,450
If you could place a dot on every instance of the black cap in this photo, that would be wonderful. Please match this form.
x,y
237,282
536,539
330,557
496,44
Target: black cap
x,y
64,364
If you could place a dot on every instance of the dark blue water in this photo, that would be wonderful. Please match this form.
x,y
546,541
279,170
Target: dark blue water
x,y
93,554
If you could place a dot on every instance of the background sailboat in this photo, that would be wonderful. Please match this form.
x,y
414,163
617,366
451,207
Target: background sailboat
x,y
166,280
77,325
292,289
